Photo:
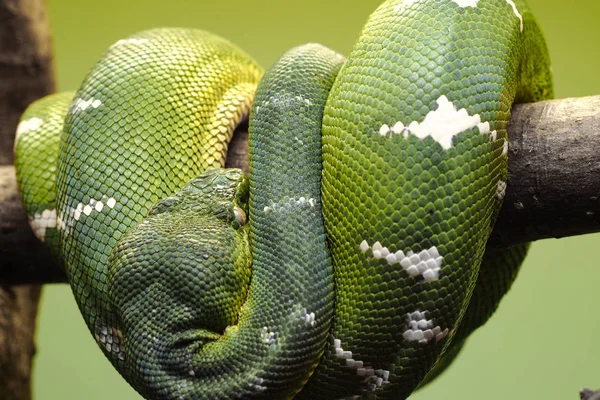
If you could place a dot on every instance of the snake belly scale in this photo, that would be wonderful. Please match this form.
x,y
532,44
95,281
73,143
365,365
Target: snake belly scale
x,y
348,265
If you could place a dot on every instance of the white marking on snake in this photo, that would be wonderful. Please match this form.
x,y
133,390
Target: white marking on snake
x,y
258,384
266,336
501,190
302,201
404,4
466,3
134,41
39,222
28,125
78,211
427,262
374,378
111,339
384,130
363,246
308,318
422,330
82,105
97,205
505,149
60,224
400,128
285,100
514,7
441,124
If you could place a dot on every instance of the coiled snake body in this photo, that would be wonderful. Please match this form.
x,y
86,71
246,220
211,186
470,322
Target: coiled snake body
x,y
364,277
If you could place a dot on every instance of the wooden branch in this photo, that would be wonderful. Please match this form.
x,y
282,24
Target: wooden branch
x,y
26,70
25,75
553,186
554,172
23,258
237,153
587,394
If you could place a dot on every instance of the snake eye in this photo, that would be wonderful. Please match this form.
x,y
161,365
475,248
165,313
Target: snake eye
x,y
240,215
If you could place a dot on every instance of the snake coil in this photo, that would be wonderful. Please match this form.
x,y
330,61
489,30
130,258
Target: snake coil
x,y
375,183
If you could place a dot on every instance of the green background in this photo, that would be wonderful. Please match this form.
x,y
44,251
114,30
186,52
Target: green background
x,y
541,344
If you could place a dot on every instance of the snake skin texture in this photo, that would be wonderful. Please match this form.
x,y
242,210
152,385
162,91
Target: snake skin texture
x,y
351,264
287,227
163,103
498,271
414,171
36,153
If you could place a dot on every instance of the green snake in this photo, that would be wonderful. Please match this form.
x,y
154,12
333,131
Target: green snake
x,y
349,265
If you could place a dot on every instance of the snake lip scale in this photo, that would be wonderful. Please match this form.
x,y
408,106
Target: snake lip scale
x,y
352,264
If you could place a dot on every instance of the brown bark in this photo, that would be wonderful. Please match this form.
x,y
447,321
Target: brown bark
x,y
25,75
587,394
554,172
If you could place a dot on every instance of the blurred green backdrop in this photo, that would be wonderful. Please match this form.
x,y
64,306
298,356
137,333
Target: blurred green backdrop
x,y
542,343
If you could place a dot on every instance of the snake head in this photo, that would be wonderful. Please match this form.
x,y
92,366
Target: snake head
x,y
178,279
221,192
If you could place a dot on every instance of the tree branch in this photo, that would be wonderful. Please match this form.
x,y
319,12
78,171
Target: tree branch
x,y
553,172
25,75
553,186
587,394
